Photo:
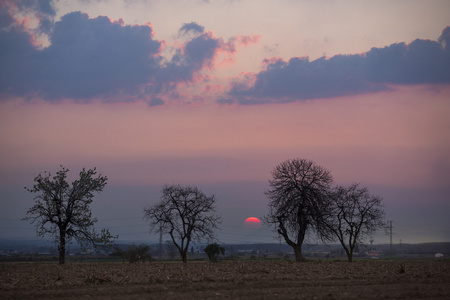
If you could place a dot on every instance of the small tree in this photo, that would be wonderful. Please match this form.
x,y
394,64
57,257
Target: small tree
x,y
298,194
353,215
186,214
213,251
63,210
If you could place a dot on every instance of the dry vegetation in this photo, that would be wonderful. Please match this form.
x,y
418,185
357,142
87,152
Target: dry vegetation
x,y
231,279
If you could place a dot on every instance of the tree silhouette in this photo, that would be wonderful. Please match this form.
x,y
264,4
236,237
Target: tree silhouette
x,y
186,214
63,210
352,215
298,196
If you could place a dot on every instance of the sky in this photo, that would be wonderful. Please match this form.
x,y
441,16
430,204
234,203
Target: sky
x,y
217,93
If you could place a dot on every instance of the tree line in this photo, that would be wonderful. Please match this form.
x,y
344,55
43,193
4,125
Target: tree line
x,y
301,194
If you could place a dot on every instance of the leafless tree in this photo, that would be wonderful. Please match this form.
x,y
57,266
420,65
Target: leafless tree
x,y
353,215
63,210
186,214
298,194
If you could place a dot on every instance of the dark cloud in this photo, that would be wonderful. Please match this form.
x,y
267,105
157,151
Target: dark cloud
x,y
444,39
191,28
42,7
97,57
420,62
5,17
156,102
195,54
86,58
15,49
301,79
201,50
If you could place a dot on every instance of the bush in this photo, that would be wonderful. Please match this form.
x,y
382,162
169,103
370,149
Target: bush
x,y
213,251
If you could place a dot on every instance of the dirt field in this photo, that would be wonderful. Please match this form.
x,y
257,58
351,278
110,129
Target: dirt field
x,y
228,280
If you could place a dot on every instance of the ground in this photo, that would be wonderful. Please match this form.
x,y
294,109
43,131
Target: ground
x,y
365,279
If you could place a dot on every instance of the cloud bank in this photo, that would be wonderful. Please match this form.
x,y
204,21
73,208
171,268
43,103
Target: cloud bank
x,y
106,59
98,58
420,62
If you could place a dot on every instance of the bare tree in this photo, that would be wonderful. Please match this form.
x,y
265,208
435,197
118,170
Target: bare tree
x,y
353,215
186,214
63,210
298,194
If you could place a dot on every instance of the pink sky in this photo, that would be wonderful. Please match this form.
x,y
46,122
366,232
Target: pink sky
x,y
387,138
187,101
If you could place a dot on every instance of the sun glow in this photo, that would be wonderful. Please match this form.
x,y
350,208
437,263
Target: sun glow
x,y
252,223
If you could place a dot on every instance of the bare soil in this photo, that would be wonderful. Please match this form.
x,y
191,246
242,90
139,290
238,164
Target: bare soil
x,y
228,280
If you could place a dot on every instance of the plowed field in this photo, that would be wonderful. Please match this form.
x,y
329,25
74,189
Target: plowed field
x,y
227,280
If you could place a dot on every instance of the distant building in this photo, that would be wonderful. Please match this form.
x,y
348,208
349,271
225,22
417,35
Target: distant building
x,y
439,255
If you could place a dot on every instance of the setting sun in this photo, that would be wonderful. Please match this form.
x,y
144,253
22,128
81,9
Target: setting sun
x,y
252,223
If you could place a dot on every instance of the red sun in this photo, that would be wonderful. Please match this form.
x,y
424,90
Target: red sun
x,y
252,223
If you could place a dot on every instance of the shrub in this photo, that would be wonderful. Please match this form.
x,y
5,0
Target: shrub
x,y
213,251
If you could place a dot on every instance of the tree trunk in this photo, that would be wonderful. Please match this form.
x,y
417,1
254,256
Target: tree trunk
x,y
350,257
298,253
350,254
348,251
62,248
184,256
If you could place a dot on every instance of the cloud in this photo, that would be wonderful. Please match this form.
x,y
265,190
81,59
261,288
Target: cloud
x,y
86,58
189,60
156,102
191,28
40,7
248,39
6,18
98,58
420,62
17,12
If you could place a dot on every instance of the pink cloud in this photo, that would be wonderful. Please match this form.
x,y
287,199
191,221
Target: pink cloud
x,y
212,88
271,60
246,40
228,49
